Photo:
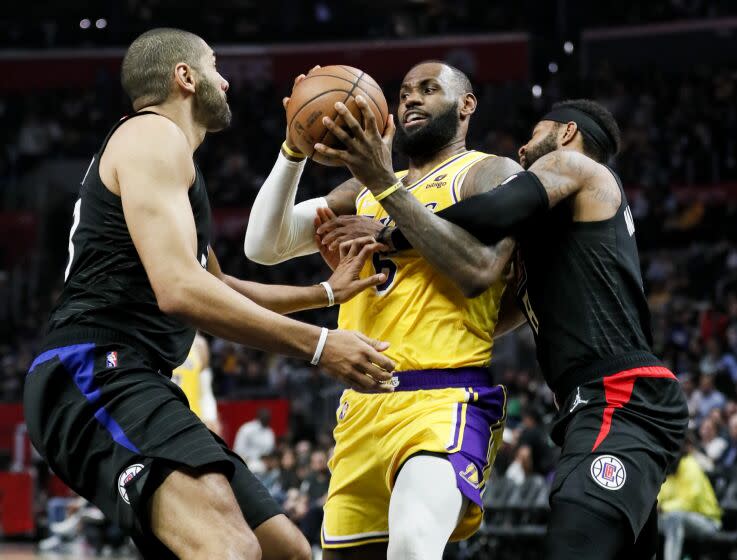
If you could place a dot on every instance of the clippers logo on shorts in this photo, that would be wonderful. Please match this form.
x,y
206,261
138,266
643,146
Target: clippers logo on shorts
x,y
125,477
112,359
343,411
471,475
608,472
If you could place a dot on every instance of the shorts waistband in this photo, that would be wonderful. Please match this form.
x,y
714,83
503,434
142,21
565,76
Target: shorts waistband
x,y
636,372
416,380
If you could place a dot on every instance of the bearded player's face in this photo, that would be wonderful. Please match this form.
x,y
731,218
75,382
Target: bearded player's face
x,y
544,140
428,116
211,107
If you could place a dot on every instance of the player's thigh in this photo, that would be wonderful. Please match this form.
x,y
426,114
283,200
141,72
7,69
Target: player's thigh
x,y
196,513
279,538
374,551
580,532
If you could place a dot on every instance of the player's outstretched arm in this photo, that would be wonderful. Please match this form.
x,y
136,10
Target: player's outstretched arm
x,y
344,283
151,159
278,229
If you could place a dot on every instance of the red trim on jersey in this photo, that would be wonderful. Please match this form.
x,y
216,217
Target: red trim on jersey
x,y
618,391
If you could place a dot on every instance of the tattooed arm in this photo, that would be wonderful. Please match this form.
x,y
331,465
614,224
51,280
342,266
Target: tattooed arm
x,y
470,264
568,173
556,176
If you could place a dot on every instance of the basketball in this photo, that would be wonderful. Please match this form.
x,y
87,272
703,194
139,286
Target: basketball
x,y
315,97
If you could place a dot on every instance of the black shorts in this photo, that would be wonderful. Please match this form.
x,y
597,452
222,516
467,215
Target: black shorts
x,y
112,428
618,436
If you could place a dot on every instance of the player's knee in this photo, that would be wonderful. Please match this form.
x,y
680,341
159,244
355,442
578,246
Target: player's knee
x,y
299,549
409,538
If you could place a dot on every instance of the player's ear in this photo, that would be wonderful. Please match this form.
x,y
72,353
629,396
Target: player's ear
x,y
467,105
567,133
184,77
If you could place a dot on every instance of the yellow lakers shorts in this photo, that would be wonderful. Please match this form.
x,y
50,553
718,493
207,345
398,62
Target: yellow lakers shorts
x,y
455,412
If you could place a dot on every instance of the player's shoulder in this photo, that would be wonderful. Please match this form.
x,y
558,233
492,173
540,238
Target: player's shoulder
x,y
150,136
487,172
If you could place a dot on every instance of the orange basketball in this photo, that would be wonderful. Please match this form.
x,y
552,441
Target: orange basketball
x,y
315,97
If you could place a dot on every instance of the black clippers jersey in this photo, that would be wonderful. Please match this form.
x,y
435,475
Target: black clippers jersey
x,y
107,296
580,286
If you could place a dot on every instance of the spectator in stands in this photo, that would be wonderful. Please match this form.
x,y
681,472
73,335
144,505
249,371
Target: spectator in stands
x,y
712,444
707,397
315,485
288,475
521,468
729,457
688,506
534,437
254,440
271,476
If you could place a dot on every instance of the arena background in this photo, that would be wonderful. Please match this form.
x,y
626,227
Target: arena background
x,y
667,69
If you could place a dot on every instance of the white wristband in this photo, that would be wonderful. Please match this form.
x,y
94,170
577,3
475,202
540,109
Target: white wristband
x,y
329,290
320,347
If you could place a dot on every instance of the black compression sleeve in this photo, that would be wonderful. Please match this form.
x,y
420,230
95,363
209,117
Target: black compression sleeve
x,y
494,215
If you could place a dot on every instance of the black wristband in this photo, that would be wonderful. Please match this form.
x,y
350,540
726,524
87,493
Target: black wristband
x,y
494,215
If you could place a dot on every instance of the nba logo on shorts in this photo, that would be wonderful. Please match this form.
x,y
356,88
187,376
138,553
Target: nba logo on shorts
x,y
125,477
112,360
343,411
608,472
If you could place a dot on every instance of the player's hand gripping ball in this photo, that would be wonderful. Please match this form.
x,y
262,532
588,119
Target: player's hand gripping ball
x,y
314,97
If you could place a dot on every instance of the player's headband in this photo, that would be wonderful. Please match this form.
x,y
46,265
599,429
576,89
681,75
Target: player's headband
x,y
585,124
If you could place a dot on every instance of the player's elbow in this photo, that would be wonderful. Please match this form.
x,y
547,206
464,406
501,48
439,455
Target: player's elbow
x,y
259,251
172,297
479,281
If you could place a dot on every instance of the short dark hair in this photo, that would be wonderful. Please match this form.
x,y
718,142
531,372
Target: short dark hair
x,y
604,119
459,77
146,72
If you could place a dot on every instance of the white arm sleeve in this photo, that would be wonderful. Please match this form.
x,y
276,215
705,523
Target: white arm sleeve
x,y
208,405
277,229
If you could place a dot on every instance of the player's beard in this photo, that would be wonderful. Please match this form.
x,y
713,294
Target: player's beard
x,y
211,109
544,146
429,138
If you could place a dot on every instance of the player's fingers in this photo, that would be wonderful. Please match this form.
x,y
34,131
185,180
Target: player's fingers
x,y
377,344
331,236
371,281
350,120
298,79
341,155
285,102
327,218
382,361
315,67
362,381
346,249
338,132
389,131
378,374
369,120
369,249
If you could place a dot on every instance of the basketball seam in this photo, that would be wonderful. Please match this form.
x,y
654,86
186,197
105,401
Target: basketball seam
x,y
310,101
347,97
377,105
345,68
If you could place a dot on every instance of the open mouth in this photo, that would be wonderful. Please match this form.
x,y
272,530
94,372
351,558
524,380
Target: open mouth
x,y
414,118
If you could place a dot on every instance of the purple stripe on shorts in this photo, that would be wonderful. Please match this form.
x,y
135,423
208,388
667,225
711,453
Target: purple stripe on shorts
x,y
414,380
483,416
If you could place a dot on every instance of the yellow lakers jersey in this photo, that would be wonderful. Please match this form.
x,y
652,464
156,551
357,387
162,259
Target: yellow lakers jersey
x,y
187,376
421,313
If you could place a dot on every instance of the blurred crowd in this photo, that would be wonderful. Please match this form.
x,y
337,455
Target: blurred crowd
x,y
79,23
678,161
